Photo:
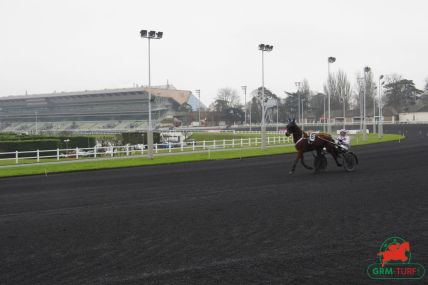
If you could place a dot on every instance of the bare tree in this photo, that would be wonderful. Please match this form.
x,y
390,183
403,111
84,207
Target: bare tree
x,y
339,88
343,89
330,88
366,86
229,96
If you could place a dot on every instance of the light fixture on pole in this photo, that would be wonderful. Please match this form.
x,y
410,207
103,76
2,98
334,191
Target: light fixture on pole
x,y
329,61
149,36
198,91
367,70
244,89
298,100
263,48
380,131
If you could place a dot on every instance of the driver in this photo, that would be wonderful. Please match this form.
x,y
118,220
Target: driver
x,y
343,140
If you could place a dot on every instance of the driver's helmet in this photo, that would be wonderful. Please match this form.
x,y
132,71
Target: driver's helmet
x,y
343,132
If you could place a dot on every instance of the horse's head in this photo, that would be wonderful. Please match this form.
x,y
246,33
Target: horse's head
x,y
291,127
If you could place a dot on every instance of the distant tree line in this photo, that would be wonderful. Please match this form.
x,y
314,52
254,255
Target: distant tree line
x,y
397,92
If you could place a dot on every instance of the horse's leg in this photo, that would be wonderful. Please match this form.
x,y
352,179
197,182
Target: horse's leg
x,y
299,155
333,153
304,164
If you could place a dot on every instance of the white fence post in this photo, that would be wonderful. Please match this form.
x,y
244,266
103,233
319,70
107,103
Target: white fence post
x,y
169,147
127,149
181,146
16,157
77,153
112,151
142,150
233,143
214,144
193,145
95,151
242,140
38,155
224,143
203,144
156,148
57,154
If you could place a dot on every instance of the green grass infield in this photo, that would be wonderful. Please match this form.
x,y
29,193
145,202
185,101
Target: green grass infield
x,y
46,169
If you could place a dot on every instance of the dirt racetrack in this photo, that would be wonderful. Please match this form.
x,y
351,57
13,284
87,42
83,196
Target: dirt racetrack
x,y
218,222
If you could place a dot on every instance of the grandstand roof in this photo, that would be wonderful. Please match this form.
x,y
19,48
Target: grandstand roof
x,y
180,96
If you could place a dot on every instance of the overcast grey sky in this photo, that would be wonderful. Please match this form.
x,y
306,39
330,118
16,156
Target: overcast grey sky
x,y
58,45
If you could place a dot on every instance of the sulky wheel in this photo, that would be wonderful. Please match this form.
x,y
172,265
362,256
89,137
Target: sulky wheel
x,y
350,161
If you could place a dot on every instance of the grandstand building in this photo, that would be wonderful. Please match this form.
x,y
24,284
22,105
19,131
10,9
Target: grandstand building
x,y
108,110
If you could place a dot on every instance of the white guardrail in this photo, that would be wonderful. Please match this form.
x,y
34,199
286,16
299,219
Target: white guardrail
x,y
25,157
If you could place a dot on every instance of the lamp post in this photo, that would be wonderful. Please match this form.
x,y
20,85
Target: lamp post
x,y
251,104
198,91
374,112
324,121
344,110
244,89
366,71
277,114
37,123
149,36
329,61
380,131
264,48
360,96
298,100
303,112
66,146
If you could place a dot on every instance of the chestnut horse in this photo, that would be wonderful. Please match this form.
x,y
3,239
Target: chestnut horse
x,y
302,144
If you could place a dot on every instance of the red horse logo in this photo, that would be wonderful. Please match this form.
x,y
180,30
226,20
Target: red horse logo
x,y
395,252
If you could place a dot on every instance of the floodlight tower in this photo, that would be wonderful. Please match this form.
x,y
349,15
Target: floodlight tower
x,y
244,89
298,101
198,91
330,60
366,72
263,48
380,131
151,35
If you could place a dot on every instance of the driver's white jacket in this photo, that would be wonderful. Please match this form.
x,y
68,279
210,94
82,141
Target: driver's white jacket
x,y
344,141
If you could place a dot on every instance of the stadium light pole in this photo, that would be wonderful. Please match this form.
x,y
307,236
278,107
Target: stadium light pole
x,y
303,112
324,121
198,91
36,122
244,89
330,60
360,96
277,114
298,100
366,71
374,112
263,48
151,35
380,131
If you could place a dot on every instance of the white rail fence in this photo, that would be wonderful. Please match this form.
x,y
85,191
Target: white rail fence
x,y
25,157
